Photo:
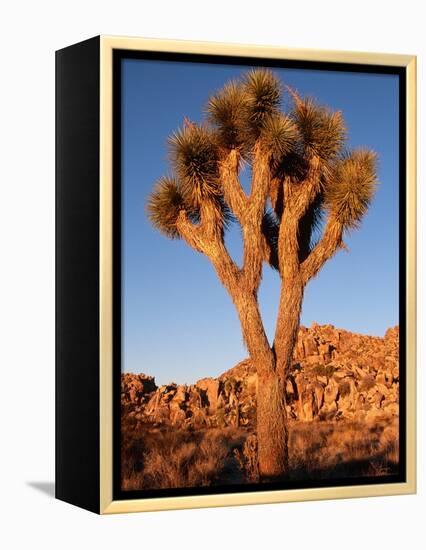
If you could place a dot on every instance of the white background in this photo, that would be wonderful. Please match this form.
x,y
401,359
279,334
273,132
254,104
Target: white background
x,y
30,31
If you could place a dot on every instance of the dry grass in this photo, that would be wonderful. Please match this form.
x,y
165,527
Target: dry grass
x,y
161,459
173,458
343,449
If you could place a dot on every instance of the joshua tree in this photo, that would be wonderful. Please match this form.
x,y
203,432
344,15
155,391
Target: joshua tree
x,y
306,191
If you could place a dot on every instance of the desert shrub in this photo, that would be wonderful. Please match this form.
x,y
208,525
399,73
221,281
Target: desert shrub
x,y
209,459
221,417
231,384
324,370
367,383
344,388
247,459
172,459
167,468
343,449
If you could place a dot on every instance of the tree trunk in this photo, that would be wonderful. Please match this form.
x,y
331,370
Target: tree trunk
x,y
271,414
272,432
287,326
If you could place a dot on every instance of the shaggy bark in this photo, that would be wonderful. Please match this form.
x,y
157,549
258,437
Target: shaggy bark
x,y
272,432
288,322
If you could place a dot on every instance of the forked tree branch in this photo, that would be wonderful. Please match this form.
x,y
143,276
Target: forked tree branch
x,y
254,238
260,185
297,198
330,241
192,234
205,238
233,192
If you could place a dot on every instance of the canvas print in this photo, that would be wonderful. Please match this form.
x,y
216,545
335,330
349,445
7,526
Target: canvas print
x,y
259,276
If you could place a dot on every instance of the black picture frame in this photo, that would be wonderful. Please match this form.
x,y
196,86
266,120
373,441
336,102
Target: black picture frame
x,y
121,55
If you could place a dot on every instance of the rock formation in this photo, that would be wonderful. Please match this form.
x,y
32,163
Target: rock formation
x,y
336,375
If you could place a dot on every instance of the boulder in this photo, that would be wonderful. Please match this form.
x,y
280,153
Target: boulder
x,y
310,346
211,388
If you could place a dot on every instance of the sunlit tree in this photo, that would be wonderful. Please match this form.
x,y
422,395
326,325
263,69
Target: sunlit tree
x,y
306,192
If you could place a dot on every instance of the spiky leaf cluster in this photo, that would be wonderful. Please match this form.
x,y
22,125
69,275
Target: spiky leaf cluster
x,y
323,131
194,157
227,112
164,204
279,135
263,92
351,186
242,108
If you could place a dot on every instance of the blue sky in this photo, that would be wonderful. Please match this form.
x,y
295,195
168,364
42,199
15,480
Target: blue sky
x,y
178,322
